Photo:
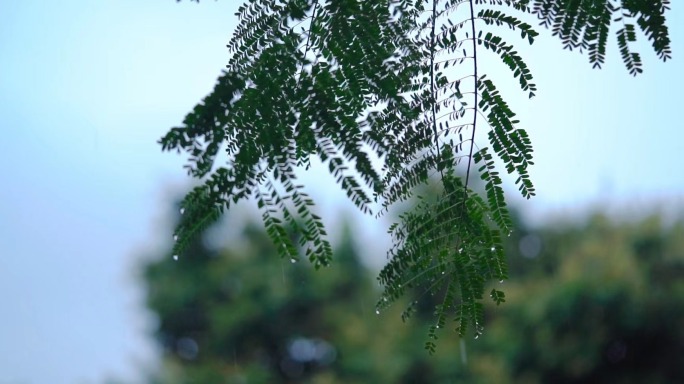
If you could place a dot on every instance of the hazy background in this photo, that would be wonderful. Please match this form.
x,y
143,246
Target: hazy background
x,y
86,90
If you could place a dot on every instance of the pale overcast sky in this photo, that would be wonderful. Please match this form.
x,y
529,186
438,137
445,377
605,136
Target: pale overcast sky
x,y
88,87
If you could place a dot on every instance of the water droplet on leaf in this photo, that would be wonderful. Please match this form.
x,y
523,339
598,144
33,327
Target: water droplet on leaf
x,y
377,311
293,260
175,237
175,257
182,211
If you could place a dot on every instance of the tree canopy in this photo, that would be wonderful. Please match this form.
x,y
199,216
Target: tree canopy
x,y
607,307
388,94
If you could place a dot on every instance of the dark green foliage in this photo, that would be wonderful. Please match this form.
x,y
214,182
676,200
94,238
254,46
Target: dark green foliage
x,y
585,24
595,302
237,315
361,85
607,305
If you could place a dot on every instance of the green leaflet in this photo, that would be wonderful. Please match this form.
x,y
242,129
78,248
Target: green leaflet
x,y
350,81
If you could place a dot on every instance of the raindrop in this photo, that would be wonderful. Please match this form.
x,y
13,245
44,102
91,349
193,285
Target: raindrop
x,y
175,237
477,335
175,257
493,249
293,260
377,311
384,299
182,211
501,281
437,326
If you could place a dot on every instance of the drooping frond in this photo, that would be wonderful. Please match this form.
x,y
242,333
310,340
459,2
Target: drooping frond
x,y
511,144
510,58
436,252
585,24
388,95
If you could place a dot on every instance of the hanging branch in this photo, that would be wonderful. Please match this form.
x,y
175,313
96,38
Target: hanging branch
x,y
367,96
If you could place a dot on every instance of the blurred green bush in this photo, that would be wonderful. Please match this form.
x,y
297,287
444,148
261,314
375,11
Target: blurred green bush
x,y
601,302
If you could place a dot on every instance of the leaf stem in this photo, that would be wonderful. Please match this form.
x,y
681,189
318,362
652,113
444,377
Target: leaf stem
x,y
433,100
472,139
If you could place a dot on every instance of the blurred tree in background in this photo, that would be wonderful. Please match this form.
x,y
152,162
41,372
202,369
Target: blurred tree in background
x,y
601,302
597,303
243,314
